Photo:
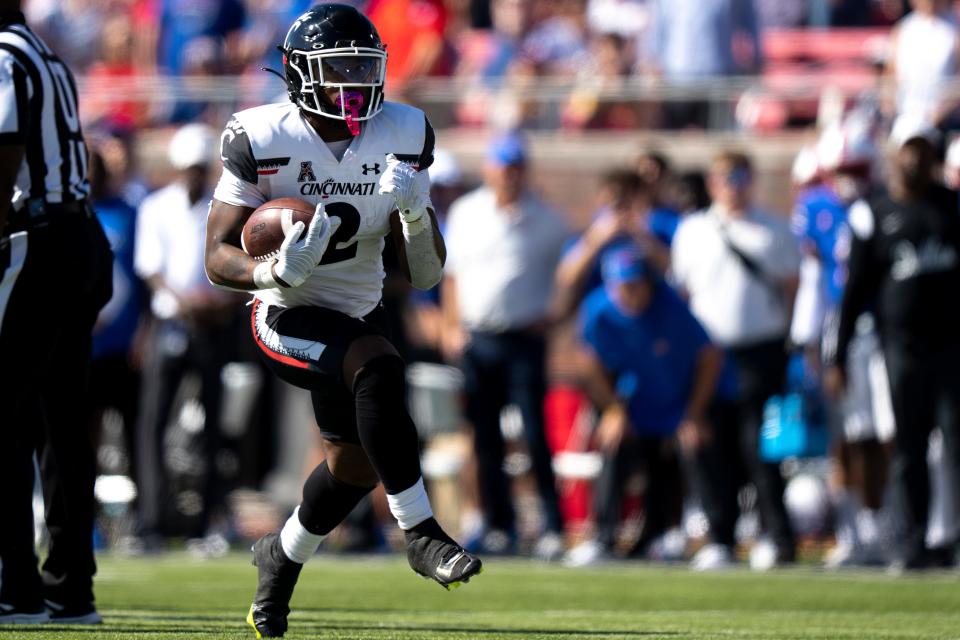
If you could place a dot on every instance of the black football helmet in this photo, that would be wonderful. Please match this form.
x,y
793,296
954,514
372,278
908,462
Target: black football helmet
x,y
334,45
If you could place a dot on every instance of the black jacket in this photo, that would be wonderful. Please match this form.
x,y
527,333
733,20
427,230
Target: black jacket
x,y
905,258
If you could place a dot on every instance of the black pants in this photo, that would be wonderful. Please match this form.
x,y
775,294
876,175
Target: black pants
x,y
925,389
663,498
115,384
733,457
500,369
175,351
44,367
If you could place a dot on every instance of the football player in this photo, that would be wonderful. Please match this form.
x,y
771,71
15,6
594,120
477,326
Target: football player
x,y
861,413
317,316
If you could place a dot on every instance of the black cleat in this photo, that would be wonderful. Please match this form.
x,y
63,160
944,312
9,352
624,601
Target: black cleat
x,y
277,576
13,614
67,601
76,613
433,554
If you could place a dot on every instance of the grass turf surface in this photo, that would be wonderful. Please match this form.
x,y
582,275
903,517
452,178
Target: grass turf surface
x,y
375,598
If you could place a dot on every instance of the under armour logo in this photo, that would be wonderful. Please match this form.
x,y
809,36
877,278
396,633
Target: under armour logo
x,y
375,168
306,172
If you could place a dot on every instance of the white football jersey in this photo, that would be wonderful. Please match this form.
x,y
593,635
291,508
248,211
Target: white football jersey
x,y
271,152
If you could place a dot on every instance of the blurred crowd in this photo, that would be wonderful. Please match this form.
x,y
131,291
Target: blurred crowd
x,y
710,395
505,55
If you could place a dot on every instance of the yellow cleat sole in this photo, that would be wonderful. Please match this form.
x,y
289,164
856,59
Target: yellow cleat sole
x,y
251,623
460,583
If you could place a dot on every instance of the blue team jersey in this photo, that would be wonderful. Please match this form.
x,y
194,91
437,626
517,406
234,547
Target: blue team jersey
x,y
820,222
118,320
653,356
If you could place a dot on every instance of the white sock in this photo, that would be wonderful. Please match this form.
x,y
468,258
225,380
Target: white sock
x,y
867,528
846,507
298,544
411,506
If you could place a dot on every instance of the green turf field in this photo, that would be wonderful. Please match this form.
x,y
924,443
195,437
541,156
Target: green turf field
x,y
174,597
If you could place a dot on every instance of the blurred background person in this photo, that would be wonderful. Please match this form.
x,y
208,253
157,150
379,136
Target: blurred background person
x,y
923,53
190,330
579,271
415,32
905,256
115,65
653,372
629,213
689,193
115,370
608,71
861,419
655,171
195,42
697,40
75,27
182,24
739,266
558,44
503,244
118,144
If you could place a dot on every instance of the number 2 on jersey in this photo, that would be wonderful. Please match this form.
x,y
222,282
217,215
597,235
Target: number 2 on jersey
x,y
349,225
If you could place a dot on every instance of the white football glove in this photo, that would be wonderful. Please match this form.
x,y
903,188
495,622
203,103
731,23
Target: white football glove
x,y
297,259
411,195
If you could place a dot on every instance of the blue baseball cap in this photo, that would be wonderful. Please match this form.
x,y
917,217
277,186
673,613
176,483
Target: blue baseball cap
x,y
506,150
624,264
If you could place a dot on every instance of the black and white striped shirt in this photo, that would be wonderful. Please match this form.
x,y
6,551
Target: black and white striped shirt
x,y
38,109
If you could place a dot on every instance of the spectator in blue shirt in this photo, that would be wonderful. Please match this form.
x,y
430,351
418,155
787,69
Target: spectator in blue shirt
x,y
184,21
198,38
653,372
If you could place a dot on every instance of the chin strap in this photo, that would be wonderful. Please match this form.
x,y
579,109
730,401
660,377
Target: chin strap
x,y
350,103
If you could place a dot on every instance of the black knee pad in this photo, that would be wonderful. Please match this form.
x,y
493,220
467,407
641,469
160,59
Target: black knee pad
x,y
388,370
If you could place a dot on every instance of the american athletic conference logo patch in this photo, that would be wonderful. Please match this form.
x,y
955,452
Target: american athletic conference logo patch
x,y
306,172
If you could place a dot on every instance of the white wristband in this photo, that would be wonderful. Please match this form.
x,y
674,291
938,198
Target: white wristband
x,y
414,221
263,276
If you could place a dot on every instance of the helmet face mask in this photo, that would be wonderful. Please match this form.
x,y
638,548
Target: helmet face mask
x,y
349,70
334,46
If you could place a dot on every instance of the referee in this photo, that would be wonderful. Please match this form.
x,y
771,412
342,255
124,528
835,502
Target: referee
x,y
56,275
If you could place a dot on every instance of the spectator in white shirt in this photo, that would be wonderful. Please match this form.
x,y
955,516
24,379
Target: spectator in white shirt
x,y
739,266
924,50
503,244
189,329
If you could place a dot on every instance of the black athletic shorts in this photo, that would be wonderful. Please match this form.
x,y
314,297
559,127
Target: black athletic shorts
x,y
305,346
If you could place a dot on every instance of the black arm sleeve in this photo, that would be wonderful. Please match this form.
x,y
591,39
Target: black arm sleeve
x,y
429,141
236,152
863,280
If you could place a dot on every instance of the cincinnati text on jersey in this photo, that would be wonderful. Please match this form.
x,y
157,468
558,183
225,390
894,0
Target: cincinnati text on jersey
x,y
330,187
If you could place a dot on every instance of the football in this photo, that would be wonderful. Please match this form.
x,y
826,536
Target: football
x,y
266,227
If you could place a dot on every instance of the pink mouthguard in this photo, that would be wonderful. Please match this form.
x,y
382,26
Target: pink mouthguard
x,y
350,102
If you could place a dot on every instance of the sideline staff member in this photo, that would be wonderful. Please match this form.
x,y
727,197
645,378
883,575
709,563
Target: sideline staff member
x,y
905,257
56,275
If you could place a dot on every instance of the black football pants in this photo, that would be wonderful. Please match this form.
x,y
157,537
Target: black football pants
x,y
48,310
